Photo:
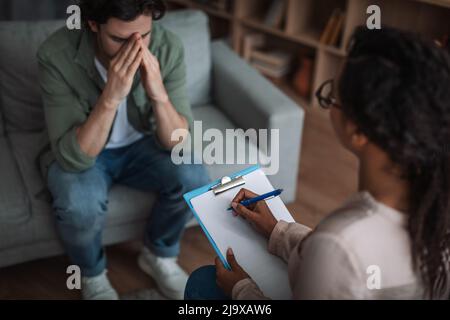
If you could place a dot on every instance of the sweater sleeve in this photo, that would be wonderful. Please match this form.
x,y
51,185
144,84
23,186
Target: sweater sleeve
x,y
247,289
285,237
63,113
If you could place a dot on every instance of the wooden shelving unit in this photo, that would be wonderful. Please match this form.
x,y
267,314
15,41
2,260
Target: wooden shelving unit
x,y
305,20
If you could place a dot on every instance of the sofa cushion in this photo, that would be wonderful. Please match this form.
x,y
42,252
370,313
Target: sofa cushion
x,y
2,126
126,207
14,205
19,88
27,206
193,29
25,148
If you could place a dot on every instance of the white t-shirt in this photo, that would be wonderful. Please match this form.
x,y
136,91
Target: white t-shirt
x,y
123,134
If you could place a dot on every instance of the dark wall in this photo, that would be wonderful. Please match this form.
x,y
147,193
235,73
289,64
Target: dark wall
x,y
34,9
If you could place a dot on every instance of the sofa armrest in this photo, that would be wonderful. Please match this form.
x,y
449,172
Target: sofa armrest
x,y
251,101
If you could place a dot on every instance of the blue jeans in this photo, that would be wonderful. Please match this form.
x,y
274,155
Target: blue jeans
x,y
80,200
202,285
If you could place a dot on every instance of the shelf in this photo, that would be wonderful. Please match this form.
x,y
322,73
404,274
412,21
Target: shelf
x,y
333,50
208,9
442,3
213,11
306,39
306,20
303,39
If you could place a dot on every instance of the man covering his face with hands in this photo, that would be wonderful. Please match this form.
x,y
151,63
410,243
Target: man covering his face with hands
x,y
113,94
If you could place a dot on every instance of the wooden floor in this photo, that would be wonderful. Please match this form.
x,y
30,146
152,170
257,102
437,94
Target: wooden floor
x,y
327,176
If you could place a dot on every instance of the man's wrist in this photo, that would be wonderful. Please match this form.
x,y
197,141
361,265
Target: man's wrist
x,y
162,99
108,104
161,102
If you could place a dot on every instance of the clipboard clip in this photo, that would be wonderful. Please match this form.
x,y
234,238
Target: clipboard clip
x,y
227,183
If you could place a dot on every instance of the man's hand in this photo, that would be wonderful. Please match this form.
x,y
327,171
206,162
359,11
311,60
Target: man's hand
x,y
152,78
122,70
258,215
167,117
226,279
93,133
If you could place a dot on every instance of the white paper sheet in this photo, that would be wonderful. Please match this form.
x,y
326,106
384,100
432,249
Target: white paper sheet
x,y
249,247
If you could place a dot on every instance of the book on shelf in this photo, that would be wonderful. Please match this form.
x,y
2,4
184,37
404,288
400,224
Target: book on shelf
x,y
302,80
276,14
276,58
273,63
333,29
252,41
339,26
269,70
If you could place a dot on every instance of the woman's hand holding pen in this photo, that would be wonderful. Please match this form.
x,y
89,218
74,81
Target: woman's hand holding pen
x,y
258,215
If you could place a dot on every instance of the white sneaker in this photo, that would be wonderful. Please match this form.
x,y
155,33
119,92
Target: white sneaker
x,y
169,276
98,288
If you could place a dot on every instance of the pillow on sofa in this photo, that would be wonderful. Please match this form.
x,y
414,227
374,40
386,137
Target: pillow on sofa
x,y
192,27
14,204
2,126
19,87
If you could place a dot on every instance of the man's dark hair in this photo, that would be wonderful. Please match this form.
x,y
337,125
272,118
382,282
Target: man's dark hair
x,y
396,88
127,10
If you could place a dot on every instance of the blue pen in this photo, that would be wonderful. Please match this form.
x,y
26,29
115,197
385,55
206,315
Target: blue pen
x,y
267,196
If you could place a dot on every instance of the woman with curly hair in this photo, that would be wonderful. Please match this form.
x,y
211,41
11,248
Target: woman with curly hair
x,y
391,240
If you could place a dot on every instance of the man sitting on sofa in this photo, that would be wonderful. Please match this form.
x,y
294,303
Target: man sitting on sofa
x,y
113,93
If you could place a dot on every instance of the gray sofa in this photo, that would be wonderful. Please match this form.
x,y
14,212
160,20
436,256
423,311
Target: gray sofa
x,y
225,93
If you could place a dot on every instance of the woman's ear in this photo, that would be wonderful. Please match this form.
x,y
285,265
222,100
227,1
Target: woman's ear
x,y
93,26
347,131
357,140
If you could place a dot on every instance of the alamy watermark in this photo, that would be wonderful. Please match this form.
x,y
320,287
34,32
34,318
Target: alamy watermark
x,y
374,20
374,279
373,282
73,22
73,281
234,146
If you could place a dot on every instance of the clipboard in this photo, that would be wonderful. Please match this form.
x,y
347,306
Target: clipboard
x,y
209,205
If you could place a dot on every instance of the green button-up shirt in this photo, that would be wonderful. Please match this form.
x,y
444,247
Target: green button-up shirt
x,y
71,85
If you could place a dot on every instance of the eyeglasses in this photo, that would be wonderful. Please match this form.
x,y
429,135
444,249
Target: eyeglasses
x,y
325,95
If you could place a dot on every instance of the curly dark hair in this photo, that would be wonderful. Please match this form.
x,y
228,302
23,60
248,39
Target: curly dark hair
x,y
396,87
127,10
